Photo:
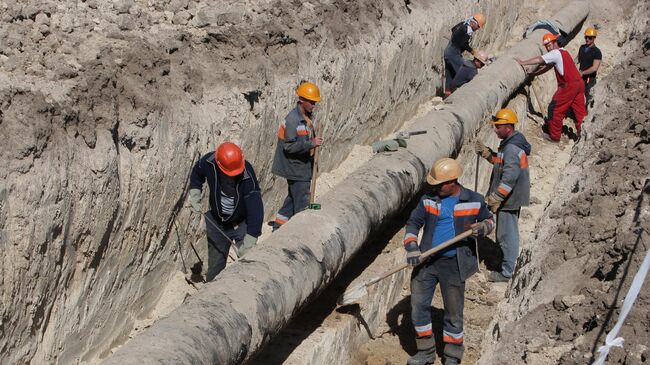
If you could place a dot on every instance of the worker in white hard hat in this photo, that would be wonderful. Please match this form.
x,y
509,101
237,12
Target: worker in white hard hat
x,y
446,210
509,187
461,34
469,70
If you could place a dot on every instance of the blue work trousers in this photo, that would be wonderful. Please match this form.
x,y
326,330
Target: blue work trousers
x,y
442,270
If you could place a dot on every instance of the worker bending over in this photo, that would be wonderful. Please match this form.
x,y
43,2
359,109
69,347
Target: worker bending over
x,y
570,88
446,210
509,187
461,34
236,210
294,153
469,70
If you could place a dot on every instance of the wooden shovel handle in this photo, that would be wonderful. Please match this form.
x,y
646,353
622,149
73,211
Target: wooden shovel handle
x,y
424,255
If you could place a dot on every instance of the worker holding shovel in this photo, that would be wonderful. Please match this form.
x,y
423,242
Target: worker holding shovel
x,y
236,210
296,155
445,211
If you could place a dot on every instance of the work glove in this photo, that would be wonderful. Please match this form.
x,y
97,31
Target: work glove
x,y
248,243
478,229
493,202
413,254
483,150
195,200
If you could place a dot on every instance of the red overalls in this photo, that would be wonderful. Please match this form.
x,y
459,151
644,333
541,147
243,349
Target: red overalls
x,y
570,94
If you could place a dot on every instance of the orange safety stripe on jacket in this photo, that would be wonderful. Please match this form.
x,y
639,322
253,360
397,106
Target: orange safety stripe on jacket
x,y
283,126
523,160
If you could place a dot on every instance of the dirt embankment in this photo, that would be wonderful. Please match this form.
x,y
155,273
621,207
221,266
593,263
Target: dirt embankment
x,y
572,279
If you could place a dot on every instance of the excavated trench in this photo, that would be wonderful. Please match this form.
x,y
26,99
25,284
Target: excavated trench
x,y
278,304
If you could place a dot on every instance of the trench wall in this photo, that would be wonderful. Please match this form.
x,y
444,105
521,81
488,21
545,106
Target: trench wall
x,y
106,106
231,319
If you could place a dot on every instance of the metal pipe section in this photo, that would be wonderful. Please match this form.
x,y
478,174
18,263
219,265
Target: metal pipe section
x,y
233,317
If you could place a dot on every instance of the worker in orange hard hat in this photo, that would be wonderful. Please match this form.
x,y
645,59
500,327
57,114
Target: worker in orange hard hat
x,y
446,210
236,210
509,187
570,92
293,158
589,58
461,34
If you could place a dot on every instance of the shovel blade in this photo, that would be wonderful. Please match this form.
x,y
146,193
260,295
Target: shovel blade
x,y
353,295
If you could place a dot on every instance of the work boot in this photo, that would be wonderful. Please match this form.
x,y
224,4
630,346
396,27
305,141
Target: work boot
x,y
451,361
426,351
497,277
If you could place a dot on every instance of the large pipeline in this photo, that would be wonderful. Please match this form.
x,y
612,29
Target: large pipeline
x,y
233,317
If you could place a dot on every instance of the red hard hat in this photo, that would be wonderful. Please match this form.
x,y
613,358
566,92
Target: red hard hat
x,y
230,159
550,37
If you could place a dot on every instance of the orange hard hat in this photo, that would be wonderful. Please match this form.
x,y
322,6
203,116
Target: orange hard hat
x,y
550,37
480,19
230,159
308,91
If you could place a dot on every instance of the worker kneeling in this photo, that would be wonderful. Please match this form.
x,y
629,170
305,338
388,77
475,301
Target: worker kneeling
x,y
236,209
446,210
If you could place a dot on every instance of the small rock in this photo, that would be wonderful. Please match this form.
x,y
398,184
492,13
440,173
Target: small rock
x,y
182,17
558,304
42,18
43,28
535,200
124,22
603,156
570,252
571,300
123,6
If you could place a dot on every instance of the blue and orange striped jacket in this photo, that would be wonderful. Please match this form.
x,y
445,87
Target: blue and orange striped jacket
x,y
510,178
471,208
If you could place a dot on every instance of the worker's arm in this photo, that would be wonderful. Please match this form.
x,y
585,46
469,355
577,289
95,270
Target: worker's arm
x,y
254,206
296,137
591,69
538,60
197,178
413,226
511,171
542,70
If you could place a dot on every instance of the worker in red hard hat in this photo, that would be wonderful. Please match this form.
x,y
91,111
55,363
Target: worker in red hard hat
x,y
294,153
570,92
236,209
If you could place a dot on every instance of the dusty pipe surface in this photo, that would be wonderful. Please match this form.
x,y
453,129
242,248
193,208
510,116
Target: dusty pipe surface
x,y
236,315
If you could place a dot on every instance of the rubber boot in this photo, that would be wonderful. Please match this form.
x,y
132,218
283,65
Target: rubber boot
x,y
426,351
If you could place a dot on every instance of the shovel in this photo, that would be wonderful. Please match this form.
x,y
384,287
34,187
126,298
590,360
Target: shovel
x,y
354,294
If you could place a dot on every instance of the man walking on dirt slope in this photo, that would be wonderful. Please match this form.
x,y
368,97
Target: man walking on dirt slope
x,y
570,88
509,187
236,212
468,70
461,34
294,153
589,58
445,211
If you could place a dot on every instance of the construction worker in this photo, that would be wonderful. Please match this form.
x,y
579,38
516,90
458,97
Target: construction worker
x,y
570,91
294,152
509,187
236,211
589,58
446,210
461,34
469,70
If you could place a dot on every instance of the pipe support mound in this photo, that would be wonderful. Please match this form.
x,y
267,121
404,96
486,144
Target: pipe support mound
x,y
233,317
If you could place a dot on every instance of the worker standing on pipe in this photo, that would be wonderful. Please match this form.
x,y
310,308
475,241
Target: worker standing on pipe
x,y
469,70
509,187
461,34
236,211
570,92
589,58
445,211
294,153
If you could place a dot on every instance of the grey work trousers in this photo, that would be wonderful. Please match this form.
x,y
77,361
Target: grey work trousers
x,y
296,201
508,239
453,61
219,245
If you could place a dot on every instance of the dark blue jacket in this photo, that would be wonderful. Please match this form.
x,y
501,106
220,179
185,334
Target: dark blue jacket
x,y
248,201
465,74
471,208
